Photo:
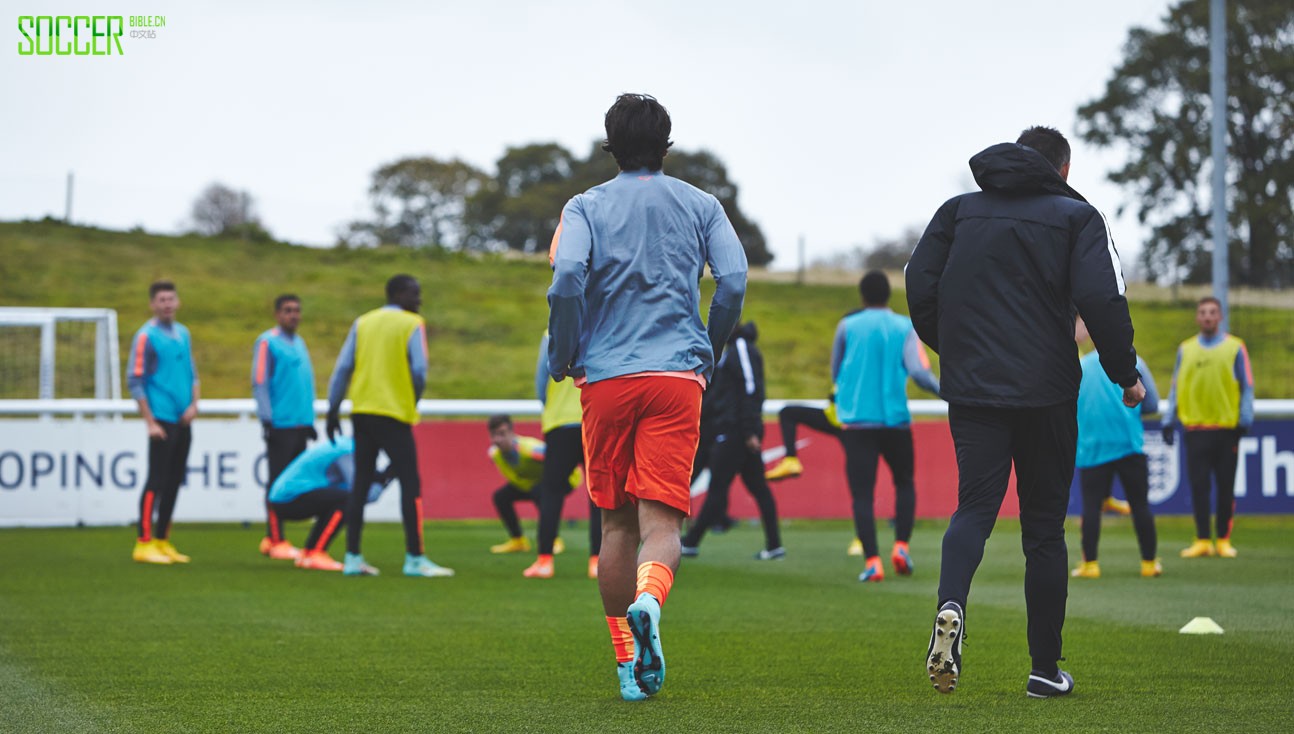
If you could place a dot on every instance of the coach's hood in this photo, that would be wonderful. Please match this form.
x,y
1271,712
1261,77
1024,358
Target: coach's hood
x,y
1011,168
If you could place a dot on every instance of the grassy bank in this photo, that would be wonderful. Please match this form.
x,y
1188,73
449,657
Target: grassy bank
x,y
485,313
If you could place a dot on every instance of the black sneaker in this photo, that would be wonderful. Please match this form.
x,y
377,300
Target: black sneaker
x,y
944,657
771,555
1040,686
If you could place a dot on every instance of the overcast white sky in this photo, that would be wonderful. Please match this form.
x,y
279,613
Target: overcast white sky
x,y
840,121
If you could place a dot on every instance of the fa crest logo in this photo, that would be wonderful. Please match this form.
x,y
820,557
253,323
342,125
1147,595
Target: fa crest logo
x,y
1163,464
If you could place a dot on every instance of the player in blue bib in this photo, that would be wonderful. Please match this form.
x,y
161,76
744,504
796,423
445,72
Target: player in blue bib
x,y
164,383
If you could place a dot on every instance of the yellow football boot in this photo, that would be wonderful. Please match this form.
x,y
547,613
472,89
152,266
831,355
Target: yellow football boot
x,y
1116,507
148,552
1151,569
1225,549
1199,549
169,551
512,545
1087,570
788,467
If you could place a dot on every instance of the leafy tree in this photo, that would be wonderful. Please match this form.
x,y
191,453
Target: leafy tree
x,y
419,202
222,211
1157,105
705,171
521,207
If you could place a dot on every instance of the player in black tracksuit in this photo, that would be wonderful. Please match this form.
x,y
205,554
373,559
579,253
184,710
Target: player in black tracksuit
x,y
733,413
992,287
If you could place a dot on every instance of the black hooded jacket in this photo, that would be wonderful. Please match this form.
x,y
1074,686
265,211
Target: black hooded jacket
x,y
734,402
993,284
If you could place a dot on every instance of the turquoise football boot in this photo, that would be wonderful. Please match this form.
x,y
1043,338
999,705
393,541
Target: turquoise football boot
x,y
649,660
629,688
354,565
423,566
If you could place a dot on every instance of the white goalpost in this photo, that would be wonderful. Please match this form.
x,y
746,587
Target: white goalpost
x,y
48,353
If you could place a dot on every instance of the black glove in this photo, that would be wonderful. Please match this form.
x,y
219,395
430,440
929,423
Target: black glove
x,y
311,433
333,427
266,427
1169,434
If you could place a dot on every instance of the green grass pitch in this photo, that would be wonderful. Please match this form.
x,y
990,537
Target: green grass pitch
x,y
90,641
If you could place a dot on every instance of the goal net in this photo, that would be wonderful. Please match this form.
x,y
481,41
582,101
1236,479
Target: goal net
x,y
48,353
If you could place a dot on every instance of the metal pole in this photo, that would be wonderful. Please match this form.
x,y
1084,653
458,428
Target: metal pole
x,y
46,389
1218,90
799,278
67,208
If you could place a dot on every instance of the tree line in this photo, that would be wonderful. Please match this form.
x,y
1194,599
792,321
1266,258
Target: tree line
x,y
1156,109
429,202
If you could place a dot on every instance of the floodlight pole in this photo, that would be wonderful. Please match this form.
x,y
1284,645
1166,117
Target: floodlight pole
x,y
1218,90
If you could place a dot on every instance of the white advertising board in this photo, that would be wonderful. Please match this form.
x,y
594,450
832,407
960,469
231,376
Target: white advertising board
x,y
91,472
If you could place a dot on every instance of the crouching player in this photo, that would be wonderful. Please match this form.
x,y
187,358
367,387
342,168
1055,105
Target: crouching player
x,y
317,484
520,459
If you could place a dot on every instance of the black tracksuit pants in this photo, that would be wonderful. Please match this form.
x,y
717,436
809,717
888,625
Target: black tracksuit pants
x,y
728,458
326,506
168,460
564,451
282,445
1041,443
863,448
374,433
504,498
802,415
1211,457
1096,481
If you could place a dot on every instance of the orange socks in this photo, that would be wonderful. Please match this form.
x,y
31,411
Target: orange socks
x,y
621,638
655,579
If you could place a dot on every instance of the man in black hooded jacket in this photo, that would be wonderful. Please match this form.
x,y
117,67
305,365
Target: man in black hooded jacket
x,y
992,287
733,412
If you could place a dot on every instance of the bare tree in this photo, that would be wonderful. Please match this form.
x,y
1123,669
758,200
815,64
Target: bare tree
x,y
220,210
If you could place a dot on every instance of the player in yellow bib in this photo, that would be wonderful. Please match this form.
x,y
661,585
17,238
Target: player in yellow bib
x,y
1212,398
563,436
520,459
383,367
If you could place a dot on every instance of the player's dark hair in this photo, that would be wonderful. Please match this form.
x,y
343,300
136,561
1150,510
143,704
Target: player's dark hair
x,y
399,284
637,132
1209,299
498,419
874,288
158,287
285,298
1048,141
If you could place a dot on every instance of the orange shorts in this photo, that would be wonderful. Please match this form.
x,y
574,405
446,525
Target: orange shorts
x,y
640,436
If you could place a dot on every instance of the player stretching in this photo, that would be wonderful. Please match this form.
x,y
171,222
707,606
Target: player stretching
x,y
627,257
317,484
